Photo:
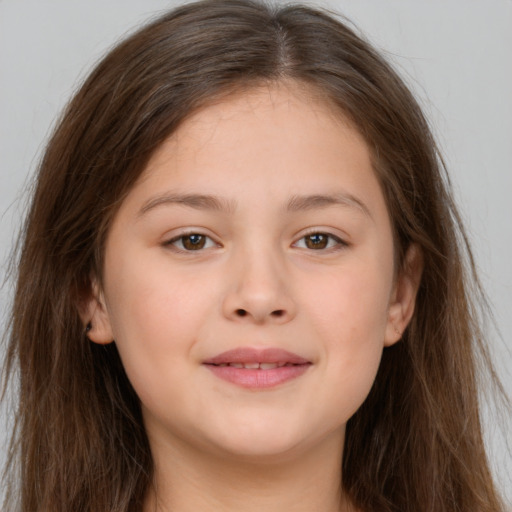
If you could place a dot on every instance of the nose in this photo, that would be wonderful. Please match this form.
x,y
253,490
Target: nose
x,y
258,290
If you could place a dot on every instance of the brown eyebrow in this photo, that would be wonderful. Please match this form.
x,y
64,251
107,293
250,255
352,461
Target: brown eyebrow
x,y
316,201
197,201
295,204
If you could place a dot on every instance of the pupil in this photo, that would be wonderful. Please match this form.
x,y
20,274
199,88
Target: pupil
x,y
194,242
317,241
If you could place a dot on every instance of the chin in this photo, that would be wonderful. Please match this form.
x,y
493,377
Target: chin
x,y
261,452
271,443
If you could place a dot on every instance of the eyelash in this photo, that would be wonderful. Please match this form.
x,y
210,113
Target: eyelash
x,y
181,238
333,242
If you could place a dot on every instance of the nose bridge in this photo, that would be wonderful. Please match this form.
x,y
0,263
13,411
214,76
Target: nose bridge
x,y
258,290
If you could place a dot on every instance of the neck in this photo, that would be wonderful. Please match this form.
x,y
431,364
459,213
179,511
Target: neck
x,y
187,480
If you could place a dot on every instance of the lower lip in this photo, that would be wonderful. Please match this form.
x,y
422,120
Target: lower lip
x,y
256,378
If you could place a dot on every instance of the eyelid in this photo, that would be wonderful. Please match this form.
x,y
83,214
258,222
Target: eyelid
x,y
341,242
170,241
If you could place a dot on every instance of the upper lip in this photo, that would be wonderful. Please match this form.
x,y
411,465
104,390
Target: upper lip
x,y
255,355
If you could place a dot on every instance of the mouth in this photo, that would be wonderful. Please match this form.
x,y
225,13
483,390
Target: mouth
x,y
257,368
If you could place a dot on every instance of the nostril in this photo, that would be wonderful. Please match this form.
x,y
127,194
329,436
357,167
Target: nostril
x,y
277,313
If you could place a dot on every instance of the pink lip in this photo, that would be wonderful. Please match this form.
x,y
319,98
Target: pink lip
x,y
258,378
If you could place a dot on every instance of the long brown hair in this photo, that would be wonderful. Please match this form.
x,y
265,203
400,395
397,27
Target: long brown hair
x,y
79,443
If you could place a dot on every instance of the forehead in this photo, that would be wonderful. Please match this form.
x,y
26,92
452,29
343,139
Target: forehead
x,y
260,119
266,139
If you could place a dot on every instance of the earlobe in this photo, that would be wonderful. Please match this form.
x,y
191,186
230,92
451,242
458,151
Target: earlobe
x,y
403,299
95,317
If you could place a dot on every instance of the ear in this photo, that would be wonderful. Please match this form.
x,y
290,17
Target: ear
x,y
95,317
403,298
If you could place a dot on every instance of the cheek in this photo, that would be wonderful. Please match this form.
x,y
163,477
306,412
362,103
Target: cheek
x,y
350,317
155,316
352,303
152,302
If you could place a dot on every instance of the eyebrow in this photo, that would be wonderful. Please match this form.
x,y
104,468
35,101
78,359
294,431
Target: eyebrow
x,y
297,203
318,201
197,201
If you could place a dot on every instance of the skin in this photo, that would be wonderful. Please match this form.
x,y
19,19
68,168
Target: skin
x,y
257,282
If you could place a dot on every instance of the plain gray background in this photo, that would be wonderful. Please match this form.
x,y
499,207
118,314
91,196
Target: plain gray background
x,y
455,54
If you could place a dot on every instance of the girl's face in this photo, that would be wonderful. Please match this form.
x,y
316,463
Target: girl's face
x,y
249,278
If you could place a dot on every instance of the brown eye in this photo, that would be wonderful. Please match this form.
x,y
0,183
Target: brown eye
x,y
192,242
319,241
316,241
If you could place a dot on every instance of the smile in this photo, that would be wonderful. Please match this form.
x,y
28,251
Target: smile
x,y
256,368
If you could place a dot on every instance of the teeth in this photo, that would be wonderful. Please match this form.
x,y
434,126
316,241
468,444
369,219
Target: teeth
x,y
256,366
268,366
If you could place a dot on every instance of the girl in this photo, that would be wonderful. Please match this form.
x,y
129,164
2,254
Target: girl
x,y
242,284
